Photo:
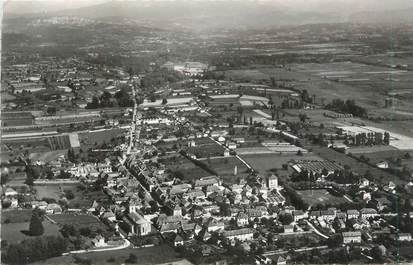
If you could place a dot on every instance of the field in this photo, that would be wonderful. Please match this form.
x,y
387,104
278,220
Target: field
x,y
89,139
265,162
12,232
317,117
47,156
186,168
375,149
390,155
84,199
78,221
225,167
319,196
205,147
16,216
369,85
16,179
355,165
151,255
48,191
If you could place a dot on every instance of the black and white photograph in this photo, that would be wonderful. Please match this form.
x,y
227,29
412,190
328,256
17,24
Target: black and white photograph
x,y
206,132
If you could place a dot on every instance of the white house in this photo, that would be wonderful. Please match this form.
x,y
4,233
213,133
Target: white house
x,y
351,237
242,234
10,192
99,241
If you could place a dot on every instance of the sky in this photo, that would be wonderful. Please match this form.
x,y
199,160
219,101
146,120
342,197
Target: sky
x,y
23,6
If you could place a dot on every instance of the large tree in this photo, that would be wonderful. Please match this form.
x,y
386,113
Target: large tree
x,y
36,226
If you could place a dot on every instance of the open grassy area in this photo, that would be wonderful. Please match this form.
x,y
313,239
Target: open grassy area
x,y
185,167
355,165
319,196
48,191
151,255
89,139
205,147
225,168
16,216
79,221
14,232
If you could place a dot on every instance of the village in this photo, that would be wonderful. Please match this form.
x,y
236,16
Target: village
x,y
190,159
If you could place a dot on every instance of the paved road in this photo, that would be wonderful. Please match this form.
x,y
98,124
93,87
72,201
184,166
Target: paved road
x,y
237,156
315,230
278,252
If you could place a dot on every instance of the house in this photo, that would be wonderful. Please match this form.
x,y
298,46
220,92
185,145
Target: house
x,y
109,215
10,192
14,203
53,208
206,236
195,193
215,226
404,237
288,229
231,145
352,214
364,183
39,204
177,210
351,237
253,213
281,261
239,140
99,241
314,214
207,181
299,214
242,219
169,228
390,187
368,213
327,215
366,196
272,182
242,234
137,224
381,203
382,164
178,241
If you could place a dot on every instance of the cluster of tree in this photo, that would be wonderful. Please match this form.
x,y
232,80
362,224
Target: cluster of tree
x,y
36,226
34,249
343,177
286,218
291,104
147,240
348,106
159,78
294,198
106,100
32,173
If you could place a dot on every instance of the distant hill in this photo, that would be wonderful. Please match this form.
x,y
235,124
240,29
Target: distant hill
x,y
233,14
384,17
